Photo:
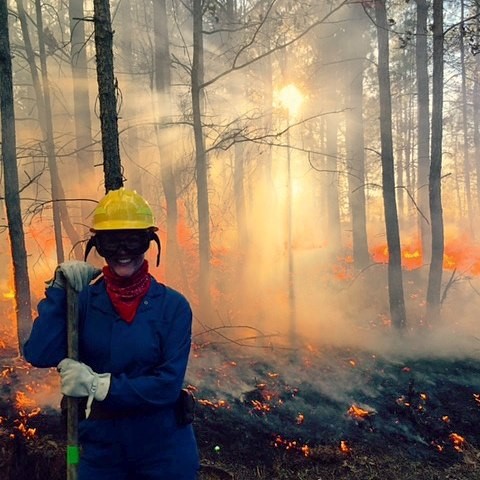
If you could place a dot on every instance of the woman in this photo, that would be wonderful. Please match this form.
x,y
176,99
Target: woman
x,y
134,342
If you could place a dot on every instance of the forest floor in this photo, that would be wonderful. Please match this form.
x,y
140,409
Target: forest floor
x,y
331,413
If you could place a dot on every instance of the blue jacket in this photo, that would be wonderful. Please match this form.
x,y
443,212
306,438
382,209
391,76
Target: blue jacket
x,y
147,359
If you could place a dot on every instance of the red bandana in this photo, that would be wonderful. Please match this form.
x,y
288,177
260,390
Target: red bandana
x,y
126,293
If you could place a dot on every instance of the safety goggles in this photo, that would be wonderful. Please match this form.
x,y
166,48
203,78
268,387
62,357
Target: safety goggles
x,y
116,242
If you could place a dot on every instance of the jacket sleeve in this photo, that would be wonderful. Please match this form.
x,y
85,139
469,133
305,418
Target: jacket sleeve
x,y
47,343
160,387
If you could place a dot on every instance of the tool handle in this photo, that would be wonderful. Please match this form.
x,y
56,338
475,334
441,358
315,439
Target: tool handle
x,y
73,452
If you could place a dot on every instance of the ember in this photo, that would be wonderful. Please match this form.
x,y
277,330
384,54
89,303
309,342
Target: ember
x,y
217,404
359,413
291,445
344,447
457,441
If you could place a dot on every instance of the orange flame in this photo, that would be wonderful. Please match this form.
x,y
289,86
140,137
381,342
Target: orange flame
x,y
262,407
344,448
217,404
458,441
359,413
459,253
22,402
291,445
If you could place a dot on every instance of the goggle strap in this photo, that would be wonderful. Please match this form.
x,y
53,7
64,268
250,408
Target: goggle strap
x,y
159,246
92,242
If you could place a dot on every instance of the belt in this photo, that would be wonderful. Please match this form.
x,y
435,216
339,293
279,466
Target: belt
x,y
101,412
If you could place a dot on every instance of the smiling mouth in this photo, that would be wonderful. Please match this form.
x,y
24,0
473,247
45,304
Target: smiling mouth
x,y
123,261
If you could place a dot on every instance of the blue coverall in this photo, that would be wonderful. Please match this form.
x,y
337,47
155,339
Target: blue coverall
x,y
147,360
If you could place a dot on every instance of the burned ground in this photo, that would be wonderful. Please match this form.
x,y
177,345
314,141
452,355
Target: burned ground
x,y
325,413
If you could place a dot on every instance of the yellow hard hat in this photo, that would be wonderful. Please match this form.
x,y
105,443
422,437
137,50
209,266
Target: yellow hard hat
x,y
122,210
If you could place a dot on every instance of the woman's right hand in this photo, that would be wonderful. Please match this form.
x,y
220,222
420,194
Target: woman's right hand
x,y
78,275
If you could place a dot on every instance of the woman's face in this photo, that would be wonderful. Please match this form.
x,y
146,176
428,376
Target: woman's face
x,y
125,265
123,250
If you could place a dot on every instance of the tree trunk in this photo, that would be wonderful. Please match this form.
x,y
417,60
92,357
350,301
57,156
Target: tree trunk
x,y
334,230
239,195
423,118
476,114
61,214
395,281
42,118
23,308
465,128
476,125
435,186
107,85
81,103
128,60
201,167
42,95
163,113
354,134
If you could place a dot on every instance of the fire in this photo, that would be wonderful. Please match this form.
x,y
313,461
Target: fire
x,y
403,401
342,272
215,405
300,419
359,413
459,253
476,397
344,448
6,372
26,431
411,256
439,447
458,441
10,295
22,402
261,407
291,445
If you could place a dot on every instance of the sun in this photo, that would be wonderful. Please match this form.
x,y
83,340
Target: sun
x,y
291,98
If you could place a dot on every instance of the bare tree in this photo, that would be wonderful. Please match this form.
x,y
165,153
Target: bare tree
x,y
42,96
81,97
395,280
435,176
423,121
203,208
163,110
465,125
355,143
107,87
12,190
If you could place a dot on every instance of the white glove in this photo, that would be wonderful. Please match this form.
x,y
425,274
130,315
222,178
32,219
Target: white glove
x,y
79,380
78,274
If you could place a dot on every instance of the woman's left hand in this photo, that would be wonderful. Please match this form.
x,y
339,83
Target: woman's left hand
x,y
79,380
